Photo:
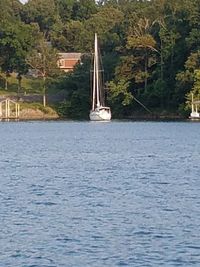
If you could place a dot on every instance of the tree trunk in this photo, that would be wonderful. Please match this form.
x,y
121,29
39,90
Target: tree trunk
x,y
44,100
6,83
44,91
19,85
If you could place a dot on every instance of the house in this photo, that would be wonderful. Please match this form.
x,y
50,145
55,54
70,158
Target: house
x,y
67,61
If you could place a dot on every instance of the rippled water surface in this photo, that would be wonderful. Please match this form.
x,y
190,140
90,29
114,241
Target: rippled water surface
x,y
84,194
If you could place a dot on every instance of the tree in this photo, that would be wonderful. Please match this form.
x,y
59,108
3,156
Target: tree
x,y
17,39
83,9
42,12
194,93
196,87
77,86
144,43
69,37
120,88
44,60
65,9
186,79
103,21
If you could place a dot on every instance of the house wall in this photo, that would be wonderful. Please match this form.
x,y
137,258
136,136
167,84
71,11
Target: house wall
x,y
68,61
67,64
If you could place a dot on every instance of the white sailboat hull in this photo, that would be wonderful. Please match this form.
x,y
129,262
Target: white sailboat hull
x,y
102,114
194,115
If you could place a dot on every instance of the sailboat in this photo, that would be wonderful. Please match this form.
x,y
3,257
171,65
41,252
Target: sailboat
x,y
99,111
194,114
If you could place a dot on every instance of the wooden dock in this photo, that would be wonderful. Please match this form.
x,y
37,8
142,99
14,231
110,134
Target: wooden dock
x,y
9,110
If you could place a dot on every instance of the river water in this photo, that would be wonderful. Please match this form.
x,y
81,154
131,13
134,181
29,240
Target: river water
x,y
86,194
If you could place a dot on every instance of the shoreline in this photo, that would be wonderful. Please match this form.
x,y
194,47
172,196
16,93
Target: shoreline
x,y
135,119
40,113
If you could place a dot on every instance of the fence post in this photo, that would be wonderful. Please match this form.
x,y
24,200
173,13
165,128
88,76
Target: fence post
x,y
1,109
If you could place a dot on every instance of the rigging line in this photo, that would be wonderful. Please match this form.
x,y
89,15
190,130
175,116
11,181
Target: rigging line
x,y
141,104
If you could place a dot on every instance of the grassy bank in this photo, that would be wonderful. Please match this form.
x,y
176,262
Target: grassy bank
x,y
31,111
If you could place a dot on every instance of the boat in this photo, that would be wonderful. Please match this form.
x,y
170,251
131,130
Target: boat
x,y
99,111
195,115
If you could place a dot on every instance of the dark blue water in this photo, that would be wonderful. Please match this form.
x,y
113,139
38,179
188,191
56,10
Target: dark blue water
x,y
84,194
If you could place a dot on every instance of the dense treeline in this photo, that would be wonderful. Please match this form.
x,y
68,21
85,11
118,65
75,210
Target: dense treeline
x,y
150,49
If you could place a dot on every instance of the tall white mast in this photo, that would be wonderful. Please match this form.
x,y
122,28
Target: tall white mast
x,y
192,103
97,71
94,85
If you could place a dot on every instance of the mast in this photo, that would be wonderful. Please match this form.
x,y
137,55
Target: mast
x,y
192,103
97,71
94,86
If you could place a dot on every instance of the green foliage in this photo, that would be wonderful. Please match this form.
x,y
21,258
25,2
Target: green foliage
x,y
83,9
194,92
69,37
29,85
44,60
65,8
185,79
44,13
77,35
150,49
196,87
120,90
77,107
77,85
15,42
